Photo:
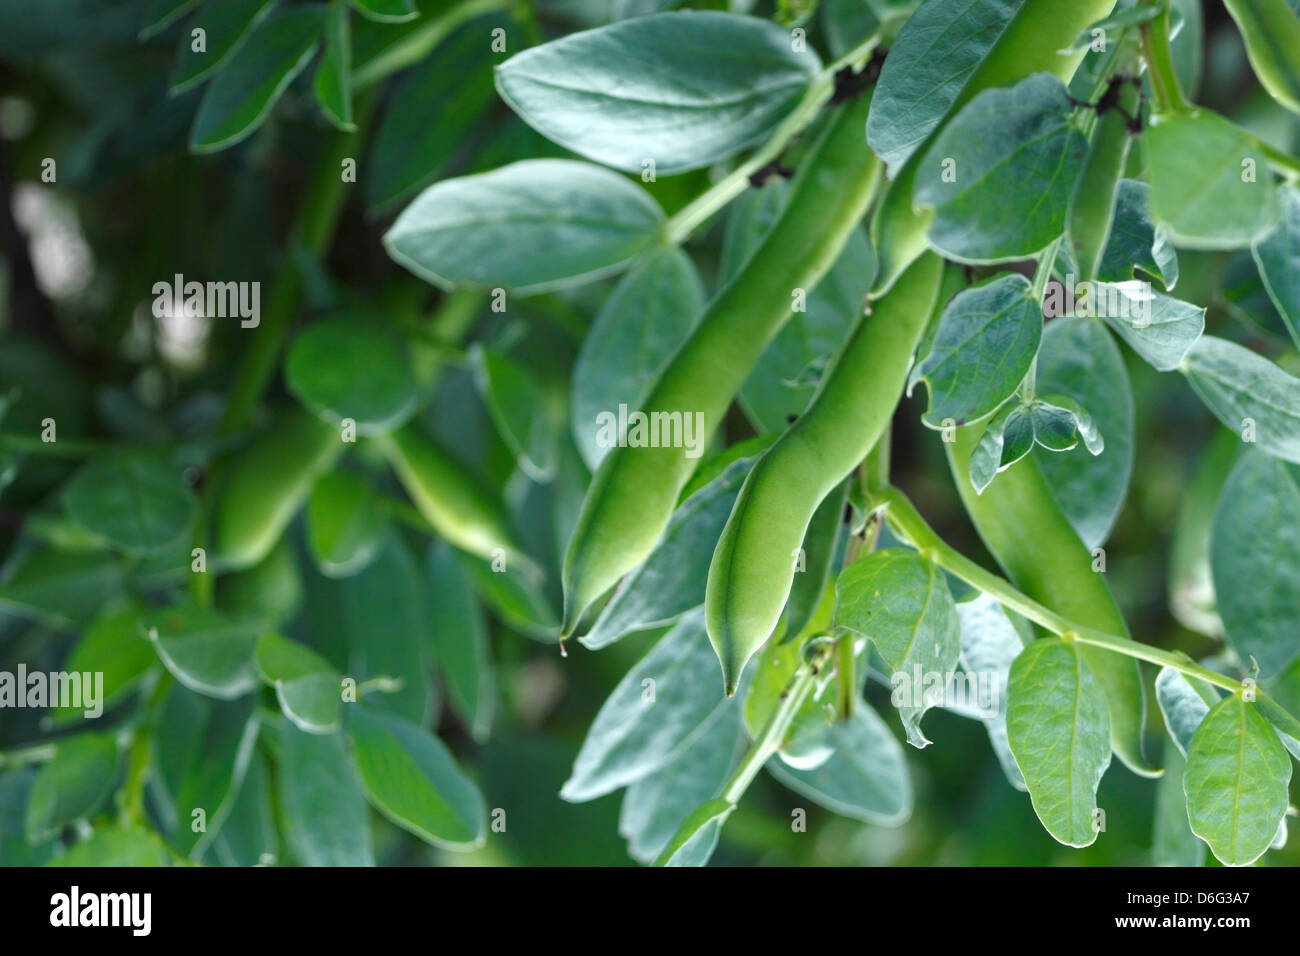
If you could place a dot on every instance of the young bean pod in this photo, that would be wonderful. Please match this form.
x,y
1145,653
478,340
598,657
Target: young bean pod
x,y
1033,541
633,492
753,566
448,496
266,483
1031,43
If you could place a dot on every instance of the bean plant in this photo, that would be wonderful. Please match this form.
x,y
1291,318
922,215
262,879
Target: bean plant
x,y
385,383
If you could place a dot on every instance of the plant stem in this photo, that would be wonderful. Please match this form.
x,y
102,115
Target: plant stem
x,y
907,521
25,756
414,47
690,217
1160,63
140,755
767,742
1283,162
1043,273
321,205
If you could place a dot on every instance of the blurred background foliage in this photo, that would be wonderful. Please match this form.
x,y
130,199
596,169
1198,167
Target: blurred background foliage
x,y
132,205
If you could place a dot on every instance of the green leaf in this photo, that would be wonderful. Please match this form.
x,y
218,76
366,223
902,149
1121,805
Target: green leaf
x,y
385,598
1184,702
531,226
1158,327
208,652
515,594
671,580
1079,359
308,688
682,90
409,148
1008,437
986,340
655,807
822,547
1113,27
1058,726
697,837
226,25
786,376
1001,174
248,837
460,639
846,23
1278,257
1174,843
270,591
930,64
345,368
1255,561
345,523
116,846
323,809
526,413
1271,31
412,779
163,13
74,784
1236,782
61,588
204,747
865,778
641,324
241,97
1210,184
15,848
1135,241
386,11
654,713
333,83
989,646
112,646
1248,393
901,603
140,504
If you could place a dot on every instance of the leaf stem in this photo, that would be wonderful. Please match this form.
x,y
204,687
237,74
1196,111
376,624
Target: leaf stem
x,y
428,32
1160,62
693,215
319,214
769,739
907,521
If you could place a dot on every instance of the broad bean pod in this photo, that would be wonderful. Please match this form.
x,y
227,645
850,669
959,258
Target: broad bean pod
x,y
1024,528
753,565
633,493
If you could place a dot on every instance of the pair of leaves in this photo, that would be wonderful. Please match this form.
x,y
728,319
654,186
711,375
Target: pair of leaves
x,y
1055,423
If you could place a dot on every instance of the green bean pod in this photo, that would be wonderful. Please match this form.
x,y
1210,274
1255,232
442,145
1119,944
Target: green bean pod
x,y
266,482
1033,541
1031,43
634,490
1092,209
753,565
448,496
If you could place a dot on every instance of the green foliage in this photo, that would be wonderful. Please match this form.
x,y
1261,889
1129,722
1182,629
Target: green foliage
x,y
315,569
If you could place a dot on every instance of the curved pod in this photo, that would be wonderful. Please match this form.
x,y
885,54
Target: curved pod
x,y
753,566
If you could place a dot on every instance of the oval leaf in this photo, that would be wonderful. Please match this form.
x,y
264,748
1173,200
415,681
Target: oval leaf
x,y
1236,782
342,368
412,779
682,90
1248,393
532,225
1058,725
140,504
